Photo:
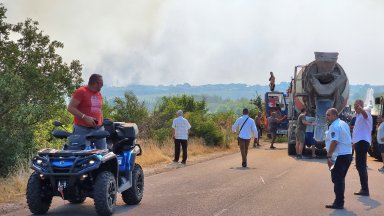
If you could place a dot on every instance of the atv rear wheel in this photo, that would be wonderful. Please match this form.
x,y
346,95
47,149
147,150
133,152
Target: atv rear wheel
x,y
133,195
104,194
38,197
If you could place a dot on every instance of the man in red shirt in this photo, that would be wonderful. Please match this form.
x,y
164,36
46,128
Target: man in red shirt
x,y
86,106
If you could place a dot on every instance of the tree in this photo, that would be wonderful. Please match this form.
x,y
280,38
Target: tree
x,y
34,83
129,109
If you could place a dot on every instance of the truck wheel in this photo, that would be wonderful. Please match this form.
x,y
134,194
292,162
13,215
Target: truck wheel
x,y
292,147
77,200
104,193
38,198
133,195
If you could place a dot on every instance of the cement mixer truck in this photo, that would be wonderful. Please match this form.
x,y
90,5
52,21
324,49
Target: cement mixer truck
x,y
317,86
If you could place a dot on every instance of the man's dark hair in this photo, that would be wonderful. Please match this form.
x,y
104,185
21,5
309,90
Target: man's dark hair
x,y
303,110
94,78
245,111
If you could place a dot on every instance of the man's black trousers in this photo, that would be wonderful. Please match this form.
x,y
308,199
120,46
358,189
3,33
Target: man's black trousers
x,y
361,149
184,145
338,174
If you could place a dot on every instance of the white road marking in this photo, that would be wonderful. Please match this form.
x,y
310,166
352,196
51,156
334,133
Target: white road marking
x,y
262,180
220,212
281,174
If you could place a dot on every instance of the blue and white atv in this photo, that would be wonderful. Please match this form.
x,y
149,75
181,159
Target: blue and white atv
x,y
79,170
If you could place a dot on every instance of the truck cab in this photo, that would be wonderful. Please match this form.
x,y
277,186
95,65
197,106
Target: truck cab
x,y
276,102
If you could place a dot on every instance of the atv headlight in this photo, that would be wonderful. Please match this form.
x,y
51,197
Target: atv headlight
x,y
91,162
38,161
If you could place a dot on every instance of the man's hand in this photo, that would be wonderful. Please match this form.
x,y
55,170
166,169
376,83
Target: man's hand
x,y
330,163
90,121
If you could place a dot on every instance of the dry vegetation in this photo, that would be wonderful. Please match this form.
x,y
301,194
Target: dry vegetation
x,y
13,187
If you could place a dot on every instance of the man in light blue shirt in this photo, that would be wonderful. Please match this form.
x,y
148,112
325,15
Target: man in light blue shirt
x,y
339,155
245,125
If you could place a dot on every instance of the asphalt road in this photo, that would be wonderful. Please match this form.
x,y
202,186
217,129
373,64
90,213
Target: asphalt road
x,y
273,184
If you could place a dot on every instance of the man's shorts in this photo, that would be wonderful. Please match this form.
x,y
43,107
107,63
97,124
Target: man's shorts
x,y
300,136
309,140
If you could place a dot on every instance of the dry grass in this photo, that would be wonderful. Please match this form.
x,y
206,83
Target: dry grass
x,y
13,188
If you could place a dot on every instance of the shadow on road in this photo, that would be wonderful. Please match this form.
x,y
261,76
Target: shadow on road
x,y
343,212
85,209
369,202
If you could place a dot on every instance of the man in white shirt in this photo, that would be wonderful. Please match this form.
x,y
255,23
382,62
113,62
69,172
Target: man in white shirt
x,y
339,155
180,128
361,139
245,125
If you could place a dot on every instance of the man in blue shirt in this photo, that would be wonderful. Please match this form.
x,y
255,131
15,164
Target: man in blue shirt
x,y
245,126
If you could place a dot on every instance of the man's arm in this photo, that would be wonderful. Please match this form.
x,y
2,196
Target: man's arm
x,y
173,133
332,148
72,108
362,111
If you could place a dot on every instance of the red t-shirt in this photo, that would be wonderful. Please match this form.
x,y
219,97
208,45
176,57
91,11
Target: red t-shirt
x,y
90,104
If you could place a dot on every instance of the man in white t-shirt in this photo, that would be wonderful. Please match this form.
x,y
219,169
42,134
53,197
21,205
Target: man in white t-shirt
x,y
180,128
361,139
339,155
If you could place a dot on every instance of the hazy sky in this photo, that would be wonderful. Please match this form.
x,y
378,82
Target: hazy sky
x,y
210,41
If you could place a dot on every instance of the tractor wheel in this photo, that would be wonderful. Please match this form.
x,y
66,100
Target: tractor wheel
x,y
133,195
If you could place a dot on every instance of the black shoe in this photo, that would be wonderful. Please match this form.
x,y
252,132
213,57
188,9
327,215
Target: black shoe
x,y
272,147
244,164
175,161
333,206
184,162
362,193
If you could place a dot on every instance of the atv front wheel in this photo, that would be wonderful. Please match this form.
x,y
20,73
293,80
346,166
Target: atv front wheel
x,y
104,193
133,195
38,198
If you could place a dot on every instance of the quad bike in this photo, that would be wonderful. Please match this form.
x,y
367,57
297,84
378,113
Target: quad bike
x,y
79,170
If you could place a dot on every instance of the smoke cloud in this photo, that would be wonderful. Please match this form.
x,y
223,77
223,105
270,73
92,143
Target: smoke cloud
x,y
210,41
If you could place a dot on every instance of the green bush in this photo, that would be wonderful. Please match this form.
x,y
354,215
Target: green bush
x,y
162,134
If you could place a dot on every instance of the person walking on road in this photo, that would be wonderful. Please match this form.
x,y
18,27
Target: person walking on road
x,y
245,125
361,139
339,155
180,128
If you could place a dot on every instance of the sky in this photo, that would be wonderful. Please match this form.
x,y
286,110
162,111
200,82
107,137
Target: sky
x,y
163,42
